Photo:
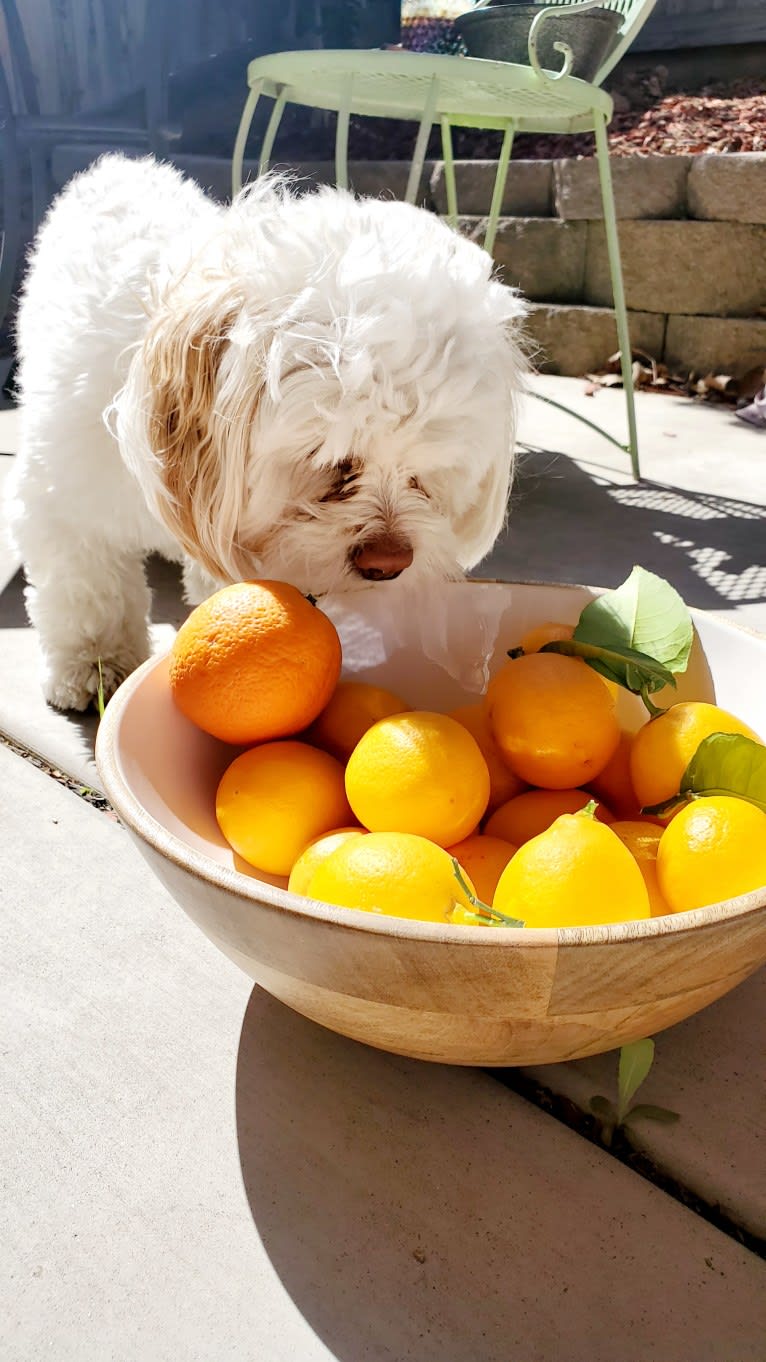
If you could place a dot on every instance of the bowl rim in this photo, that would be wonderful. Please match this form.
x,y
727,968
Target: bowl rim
x,y
232,881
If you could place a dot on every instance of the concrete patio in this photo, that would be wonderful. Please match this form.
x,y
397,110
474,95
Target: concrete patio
x,y
193,1171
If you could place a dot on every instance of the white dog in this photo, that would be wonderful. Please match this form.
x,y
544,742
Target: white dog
x,y
307,387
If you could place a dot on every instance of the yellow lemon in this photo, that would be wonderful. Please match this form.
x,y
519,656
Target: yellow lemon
x,y
394,873
421,773
576,874
714,849
314,854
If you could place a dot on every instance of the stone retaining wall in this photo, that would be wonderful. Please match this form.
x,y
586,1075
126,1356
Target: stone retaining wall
x,y
692,236
693,244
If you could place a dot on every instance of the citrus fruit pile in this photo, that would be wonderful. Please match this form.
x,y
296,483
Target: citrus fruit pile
x,y
531,807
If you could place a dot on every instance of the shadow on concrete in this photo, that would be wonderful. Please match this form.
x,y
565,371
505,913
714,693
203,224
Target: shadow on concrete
x,y
570,525
382,1234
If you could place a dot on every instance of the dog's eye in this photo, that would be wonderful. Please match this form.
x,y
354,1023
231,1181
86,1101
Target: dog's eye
x,y
416,485
344,477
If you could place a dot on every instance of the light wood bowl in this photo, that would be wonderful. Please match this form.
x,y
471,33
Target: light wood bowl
x,y
461,995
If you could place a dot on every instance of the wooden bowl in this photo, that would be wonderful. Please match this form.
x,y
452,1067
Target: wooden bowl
x,y
461,995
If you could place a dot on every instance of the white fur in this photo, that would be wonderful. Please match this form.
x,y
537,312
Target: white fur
x,y
255,390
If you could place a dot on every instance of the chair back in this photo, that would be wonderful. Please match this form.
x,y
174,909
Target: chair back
x,y
634,15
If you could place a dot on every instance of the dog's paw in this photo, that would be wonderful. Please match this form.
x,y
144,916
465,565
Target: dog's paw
x,y
76,684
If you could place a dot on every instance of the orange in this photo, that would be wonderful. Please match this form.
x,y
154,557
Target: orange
x,y
503,784
275,799
714,849
393,873
531,813
553,719
354,707
663,748
642,838
314,854
554,632
253,662
420,773
576,874
614,784
484,859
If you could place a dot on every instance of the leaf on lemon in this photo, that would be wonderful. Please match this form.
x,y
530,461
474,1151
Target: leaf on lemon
x,y
644,614
728,764
632,670
636,1060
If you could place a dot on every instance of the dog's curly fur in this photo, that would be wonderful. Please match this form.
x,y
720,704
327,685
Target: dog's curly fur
x,y
258,390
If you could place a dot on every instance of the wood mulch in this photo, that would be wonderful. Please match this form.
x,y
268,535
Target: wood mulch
x,y
648,119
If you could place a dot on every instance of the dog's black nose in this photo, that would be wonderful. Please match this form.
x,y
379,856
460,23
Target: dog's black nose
x,y
383,558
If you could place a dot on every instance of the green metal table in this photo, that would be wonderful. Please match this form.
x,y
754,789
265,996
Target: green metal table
x,y
447,92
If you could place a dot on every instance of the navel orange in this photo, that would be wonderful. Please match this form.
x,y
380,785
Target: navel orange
x,y
253,662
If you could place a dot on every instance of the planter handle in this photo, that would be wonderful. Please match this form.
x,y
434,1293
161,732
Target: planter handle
x,y
563,12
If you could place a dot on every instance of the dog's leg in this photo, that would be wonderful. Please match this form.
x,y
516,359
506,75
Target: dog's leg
x,y
90,608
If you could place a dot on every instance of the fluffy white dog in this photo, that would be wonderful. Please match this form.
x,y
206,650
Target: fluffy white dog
x,y
307,387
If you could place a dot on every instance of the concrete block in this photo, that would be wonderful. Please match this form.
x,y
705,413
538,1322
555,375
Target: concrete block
x,y
543,257
528,188
705,268
724,345
213,173
644,187
577,340
728,188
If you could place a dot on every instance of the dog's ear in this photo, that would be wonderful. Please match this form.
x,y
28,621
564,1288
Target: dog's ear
x,y
199,423
478,525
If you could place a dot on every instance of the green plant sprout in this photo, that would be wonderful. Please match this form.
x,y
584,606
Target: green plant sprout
x,y
634,1065
100,703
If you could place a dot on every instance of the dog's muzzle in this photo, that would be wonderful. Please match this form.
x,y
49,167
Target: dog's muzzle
x,y
382,559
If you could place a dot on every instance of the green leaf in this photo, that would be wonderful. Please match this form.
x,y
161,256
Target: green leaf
x,y
645,1111
645,614
635,671
635,1062
729,764
603,1108
100,692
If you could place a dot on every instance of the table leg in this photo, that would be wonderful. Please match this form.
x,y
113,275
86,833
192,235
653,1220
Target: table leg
x,y
242,131
421,144
341,136
501,176
271,130
618,289
449,171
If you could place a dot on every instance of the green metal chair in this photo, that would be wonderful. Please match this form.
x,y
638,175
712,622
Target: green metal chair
x,y
459,92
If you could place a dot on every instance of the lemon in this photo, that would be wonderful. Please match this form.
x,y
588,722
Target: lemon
x,y
314,854
421,773
394,873
714,849
576,874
